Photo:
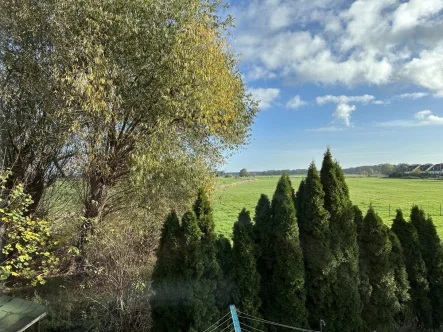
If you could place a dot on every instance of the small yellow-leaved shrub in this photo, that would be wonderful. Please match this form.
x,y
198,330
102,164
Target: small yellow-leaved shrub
x,y
27,247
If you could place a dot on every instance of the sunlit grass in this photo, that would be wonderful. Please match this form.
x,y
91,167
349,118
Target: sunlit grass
x,y
230,197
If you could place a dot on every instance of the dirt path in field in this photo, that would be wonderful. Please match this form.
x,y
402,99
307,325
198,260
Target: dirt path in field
x,y
224,186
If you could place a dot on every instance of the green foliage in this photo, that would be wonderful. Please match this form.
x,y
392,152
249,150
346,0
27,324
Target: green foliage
x,y
432,253
225,284
203,211
31,133
387,169
246,277
299,199
186,275
100,79
166,276
263,238
344,247
211,269
287,289
402,287
376,251
243,173
415,268
365,288
27,243
313,221
192,269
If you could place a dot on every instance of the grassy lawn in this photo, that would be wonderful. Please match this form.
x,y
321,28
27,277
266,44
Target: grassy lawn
x,y
232,195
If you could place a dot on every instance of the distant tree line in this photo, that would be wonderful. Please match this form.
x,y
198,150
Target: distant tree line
x,y
310,255
385,169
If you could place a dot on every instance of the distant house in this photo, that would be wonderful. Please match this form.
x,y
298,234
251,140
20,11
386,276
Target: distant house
x,y
411,168
434,169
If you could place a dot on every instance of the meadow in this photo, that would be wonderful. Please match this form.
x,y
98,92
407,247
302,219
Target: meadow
x,y
386,195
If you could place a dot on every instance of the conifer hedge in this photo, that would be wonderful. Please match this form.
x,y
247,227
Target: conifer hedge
x,y
308,256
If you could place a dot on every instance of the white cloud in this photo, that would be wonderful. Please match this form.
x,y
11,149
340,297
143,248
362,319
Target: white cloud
x,y
410,14
326,129
381,102
265,96
413,95
344,99
258,72
422,118
343,113
422,115
427,70
372,42
295,102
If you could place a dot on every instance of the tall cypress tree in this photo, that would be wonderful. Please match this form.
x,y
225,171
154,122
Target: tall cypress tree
x,y
288,296
203,212
246,277
358,221
432,253
365,288
402,287
415,267
376,251
211,270
313,221
166,302
344,246
264,240
298,200
225,281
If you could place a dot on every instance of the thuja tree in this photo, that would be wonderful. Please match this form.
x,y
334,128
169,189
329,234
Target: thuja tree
x,y
245,274
194,296
298,199
432,253
313,221
365,287
225,282
397,261
345,284
264,240
287,289
166,302
415,267
211,270
376,251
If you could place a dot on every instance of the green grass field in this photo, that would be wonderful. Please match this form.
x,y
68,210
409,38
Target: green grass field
x,y
233,194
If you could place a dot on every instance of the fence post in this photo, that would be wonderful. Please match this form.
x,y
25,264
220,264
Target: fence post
x,y
234,316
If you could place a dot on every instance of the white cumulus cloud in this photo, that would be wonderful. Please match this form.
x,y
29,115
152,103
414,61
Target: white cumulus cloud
x,y
343,113
326,129
295,102
265,96
422,115
369,42
344,99
413,95
422,118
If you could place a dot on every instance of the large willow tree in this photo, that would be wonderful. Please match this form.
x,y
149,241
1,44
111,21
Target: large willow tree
x,y
145,93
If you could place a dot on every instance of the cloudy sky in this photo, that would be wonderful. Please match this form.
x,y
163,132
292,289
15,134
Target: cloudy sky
x,y
364,77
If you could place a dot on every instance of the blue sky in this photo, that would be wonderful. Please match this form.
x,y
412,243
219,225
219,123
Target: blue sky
x,y
364,77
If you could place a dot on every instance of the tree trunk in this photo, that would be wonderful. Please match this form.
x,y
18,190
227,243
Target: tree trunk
x,y
93,206
3,227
